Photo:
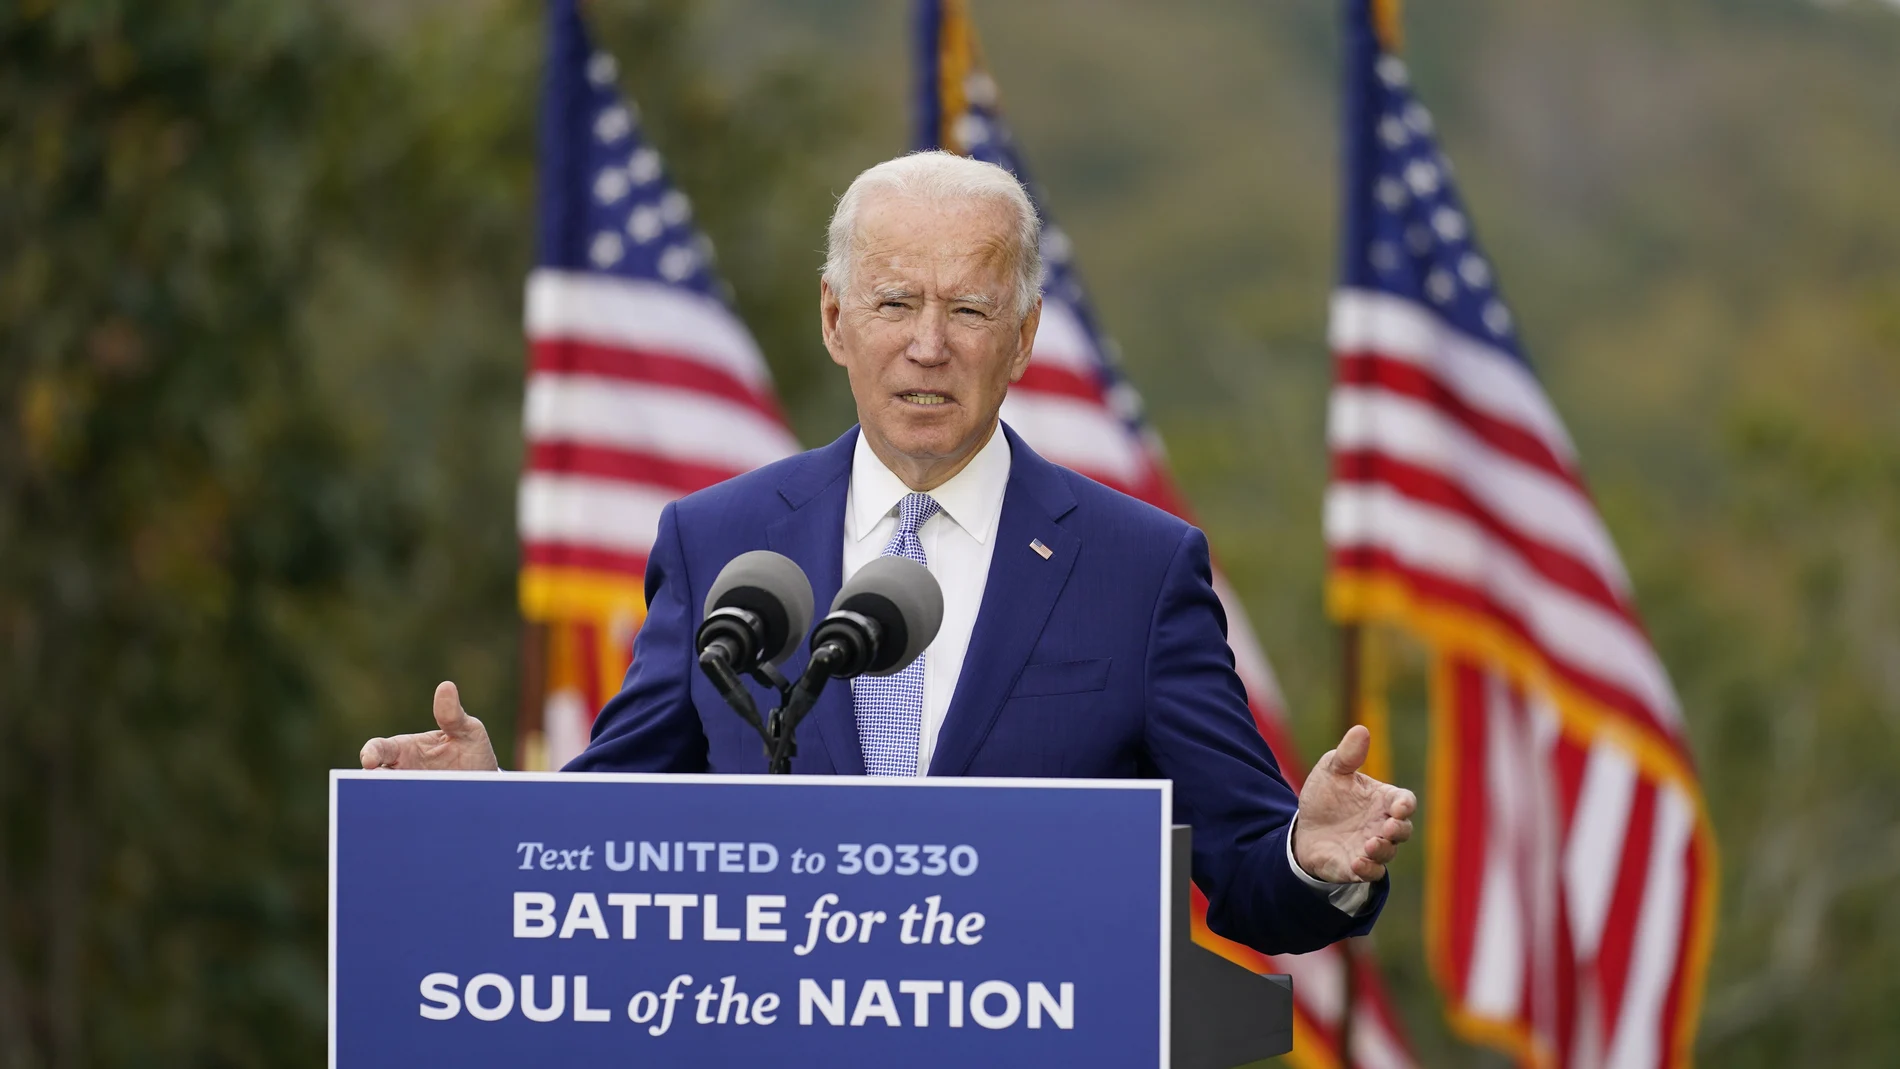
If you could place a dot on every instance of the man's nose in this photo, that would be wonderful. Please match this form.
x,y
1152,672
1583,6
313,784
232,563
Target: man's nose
x,y
930,342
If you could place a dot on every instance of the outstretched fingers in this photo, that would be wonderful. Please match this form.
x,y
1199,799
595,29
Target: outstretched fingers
x,y
1378,851
1390,829
1396,824
1381,850
1403,804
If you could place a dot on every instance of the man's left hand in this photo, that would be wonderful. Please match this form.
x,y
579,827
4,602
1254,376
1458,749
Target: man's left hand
x,y
1350,825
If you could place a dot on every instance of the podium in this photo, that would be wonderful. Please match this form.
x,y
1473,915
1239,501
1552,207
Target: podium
x,y
1223,1015
524,919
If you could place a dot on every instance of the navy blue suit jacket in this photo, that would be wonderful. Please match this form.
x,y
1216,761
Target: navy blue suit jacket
x,y
1108,659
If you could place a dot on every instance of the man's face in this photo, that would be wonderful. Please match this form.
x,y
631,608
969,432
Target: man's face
x,y
928,331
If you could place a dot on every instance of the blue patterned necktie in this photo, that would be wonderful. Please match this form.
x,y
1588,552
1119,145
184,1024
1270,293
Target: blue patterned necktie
x,y
891,708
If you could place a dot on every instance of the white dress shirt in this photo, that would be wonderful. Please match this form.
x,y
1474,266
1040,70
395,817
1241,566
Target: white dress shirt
x,y
958,543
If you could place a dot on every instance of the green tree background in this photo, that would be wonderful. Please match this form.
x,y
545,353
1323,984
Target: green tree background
x,y
260,276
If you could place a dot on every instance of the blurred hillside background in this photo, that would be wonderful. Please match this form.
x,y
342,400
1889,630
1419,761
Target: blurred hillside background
x,y
261,265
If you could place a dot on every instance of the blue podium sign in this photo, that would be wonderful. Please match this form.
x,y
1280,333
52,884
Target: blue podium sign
x,y
524,919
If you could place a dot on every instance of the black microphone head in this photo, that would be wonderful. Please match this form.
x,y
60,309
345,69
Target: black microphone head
x,y
905,600
772,587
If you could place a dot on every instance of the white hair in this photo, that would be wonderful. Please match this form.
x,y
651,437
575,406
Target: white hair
x,y
938,176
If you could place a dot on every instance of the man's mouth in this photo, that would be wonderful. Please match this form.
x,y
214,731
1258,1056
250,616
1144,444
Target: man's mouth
x,y
925,397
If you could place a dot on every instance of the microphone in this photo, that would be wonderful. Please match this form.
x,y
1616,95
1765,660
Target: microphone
x,y
880,621
759,607
757,610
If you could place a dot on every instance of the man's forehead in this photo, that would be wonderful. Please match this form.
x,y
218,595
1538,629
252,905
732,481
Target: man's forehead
x,y
902,236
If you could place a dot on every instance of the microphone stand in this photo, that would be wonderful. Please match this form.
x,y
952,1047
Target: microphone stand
x,y
777,729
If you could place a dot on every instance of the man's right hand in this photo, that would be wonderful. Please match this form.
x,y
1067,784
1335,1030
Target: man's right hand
x,y
460,742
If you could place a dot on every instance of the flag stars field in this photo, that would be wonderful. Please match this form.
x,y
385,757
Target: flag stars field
x,y
1392,131
611,185
613,124
602,70
677,262
1497,318
675,209
1450,223
1475,272
643,223
1055,245
1391,71
980,88
1391,193
606,249
972,130
644,165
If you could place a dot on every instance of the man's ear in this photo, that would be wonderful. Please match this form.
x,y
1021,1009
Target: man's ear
x,y
829,308
1026,341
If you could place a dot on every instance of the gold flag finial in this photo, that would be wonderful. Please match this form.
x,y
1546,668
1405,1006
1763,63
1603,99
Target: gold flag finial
x,y
1388,22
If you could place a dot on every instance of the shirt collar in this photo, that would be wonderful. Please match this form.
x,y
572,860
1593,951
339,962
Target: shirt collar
x,y
973,498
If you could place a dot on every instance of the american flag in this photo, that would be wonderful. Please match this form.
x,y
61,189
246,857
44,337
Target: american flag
x,y
1076,408
1570,897
642,385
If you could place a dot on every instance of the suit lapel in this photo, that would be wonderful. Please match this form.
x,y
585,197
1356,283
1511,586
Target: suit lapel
x,y
1018,597
813,536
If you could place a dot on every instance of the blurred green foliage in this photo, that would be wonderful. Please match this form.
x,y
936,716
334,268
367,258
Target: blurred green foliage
x,y
260,368
260,267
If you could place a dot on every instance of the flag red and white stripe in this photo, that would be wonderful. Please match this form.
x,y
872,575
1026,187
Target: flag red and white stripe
x,y
642,386
1567,886
1571,866
638,393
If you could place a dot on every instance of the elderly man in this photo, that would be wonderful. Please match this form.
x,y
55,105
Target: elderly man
x,y
1081,634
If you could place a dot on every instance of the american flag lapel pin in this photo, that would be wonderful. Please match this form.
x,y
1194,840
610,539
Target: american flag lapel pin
x,y
1041,550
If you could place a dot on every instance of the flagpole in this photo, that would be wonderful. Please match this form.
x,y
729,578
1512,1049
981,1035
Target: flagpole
x,y
531,744
1349,684
1386,17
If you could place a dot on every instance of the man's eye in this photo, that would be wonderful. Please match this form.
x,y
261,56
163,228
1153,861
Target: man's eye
x,y
891,304
972,312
